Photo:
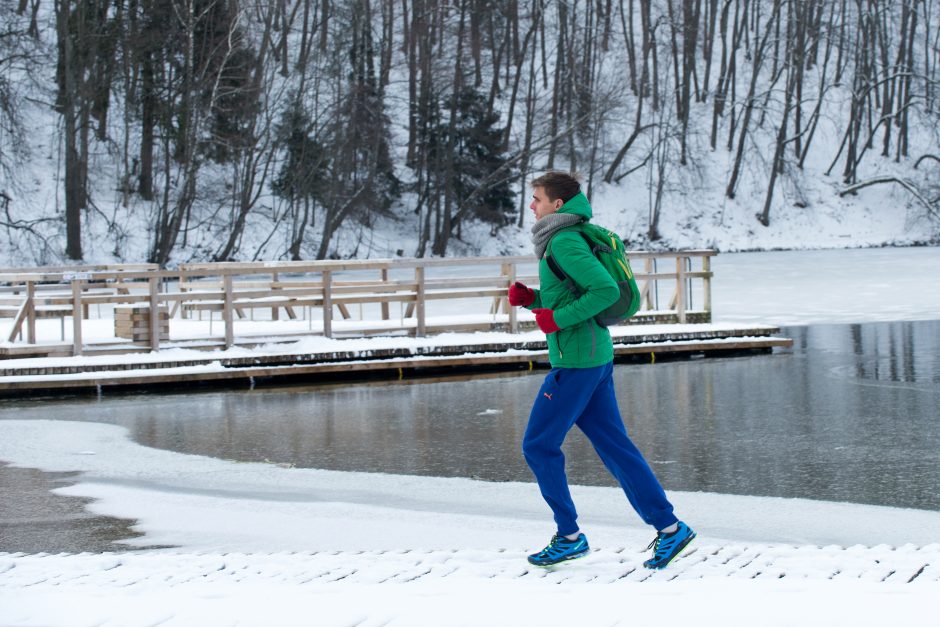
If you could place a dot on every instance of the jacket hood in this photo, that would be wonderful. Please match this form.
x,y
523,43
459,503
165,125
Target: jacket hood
x,y
579,206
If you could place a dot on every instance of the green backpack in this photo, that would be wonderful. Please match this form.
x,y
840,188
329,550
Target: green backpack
x,y
609,250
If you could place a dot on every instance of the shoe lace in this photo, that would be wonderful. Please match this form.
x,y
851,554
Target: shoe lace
x,y
655,543
552,544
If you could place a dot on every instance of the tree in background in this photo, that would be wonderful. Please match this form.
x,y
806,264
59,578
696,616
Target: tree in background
x,y
232,99
481,178
211,104
20,51
15,51
361,180
243,110
183,103
303,175
81,29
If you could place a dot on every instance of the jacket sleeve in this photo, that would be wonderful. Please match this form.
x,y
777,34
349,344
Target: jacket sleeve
x,y
537,303
599,290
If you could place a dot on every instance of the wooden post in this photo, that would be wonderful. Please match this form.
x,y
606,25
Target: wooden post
x,y
16,330
154,314
419,302
650,283
30,312
184,314
227,311
76,317
328,303
707,286
509,269
680,288
274,309
385,303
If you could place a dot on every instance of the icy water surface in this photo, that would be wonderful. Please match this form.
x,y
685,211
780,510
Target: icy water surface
x,y
851,414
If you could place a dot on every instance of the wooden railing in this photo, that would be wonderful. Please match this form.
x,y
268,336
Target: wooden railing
x,y
237,290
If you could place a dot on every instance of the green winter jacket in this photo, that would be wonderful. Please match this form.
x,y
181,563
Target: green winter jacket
x,y
581,342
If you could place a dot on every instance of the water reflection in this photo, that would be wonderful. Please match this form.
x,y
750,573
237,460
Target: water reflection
x,y
850,414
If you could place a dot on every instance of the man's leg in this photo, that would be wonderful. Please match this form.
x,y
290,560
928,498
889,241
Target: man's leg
x,y
562,398
602,424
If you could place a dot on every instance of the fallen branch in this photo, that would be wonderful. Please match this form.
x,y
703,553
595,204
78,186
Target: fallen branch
x,y
931,209
927,156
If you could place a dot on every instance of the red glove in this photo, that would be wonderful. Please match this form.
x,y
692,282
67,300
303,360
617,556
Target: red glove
x,y
545,318
520,295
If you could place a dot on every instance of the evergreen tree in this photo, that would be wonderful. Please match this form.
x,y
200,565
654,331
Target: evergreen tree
x,y
304,171
232,96
362,179
481,178
304,174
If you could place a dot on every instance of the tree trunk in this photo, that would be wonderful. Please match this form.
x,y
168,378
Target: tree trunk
x,y
708,45
721,88
823,86
626,20
148,107
777,163
71,31
749,106
446,225
905,101
519,61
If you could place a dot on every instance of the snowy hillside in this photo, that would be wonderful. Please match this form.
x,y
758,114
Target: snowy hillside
x,y
364,129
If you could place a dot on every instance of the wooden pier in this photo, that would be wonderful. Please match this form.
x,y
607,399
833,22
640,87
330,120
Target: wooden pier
x,y
24,377
213,307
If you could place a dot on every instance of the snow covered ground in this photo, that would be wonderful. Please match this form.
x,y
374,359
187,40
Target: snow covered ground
x,y
261,544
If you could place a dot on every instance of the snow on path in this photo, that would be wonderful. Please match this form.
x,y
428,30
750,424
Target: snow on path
x,y
727,584
882,564
262,544
422,551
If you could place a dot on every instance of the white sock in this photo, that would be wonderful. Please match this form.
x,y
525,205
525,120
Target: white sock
x,y
573,536
674,527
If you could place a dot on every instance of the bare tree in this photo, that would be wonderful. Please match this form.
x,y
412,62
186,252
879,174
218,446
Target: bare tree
x,y
794,69
204,87
77,45
758,60
249,145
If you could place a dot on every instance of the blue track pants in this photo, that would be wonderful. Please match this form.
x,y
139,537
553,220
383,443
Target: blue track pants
x,y
585,397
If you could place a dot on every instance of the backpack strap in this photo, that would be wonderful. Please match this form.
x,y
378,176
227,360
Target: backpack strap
x,y
555,267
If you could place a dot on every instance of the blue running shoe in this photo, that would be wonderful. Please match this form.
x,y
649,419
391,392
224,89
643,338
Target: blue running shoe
x,y
561,549
666,546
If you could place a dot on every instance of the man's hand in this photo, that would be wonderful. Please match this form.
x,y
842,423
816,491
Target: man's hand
x,y
520,295
545,318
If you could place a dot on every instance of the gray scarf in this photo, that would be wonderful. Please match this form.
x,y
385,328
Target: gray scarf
x,y
543,229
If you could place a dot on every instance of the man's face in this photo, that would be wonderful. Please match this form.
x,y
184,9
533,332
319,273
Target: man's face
x,y
541,206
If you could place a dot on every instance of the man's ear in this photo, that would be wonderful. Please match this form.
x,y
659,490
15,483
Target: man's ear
x,y
558,203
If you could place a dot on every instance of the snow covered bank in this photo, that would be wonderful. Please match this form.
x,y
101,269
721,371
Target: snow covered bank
x,y
206,504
